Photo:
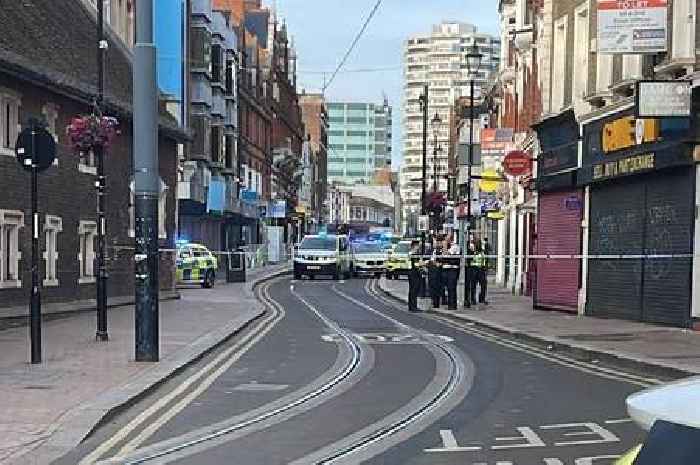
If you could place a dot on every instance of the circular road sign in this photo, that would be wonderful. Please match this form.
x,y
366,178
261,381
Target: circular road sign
x,y
41,145
517,163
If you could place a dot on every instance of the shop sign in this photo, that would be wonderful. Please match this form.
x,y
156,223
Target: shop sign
x,y
632,26
558,139
496,138
517,163
669,99
489,181
495,215
277,209
624,166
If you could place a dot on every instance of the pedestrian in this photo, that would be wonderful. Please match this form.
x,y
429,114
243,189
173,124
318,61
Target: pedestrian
x,y
434,272
415,277
480,269
450,269
469,273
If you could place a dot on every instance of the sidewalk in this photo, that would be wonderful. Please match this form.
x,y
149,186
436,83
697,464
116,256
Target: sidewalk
x,y
49,408
654,350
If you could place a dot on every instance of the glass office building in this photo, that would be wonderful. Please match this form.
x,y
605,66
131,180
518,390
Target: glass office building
x,y
359,141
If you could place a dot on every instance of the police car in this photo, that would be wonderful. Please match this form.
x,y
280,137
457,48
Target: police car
x,y
671,415
196,265
399,262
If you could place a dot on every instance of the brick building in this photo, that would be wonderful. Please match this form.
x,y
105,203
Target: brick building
x,y
49,72
315,119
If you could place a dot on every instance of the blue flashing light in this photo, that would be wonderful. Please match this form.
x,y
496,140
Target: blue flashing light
x,y
181,242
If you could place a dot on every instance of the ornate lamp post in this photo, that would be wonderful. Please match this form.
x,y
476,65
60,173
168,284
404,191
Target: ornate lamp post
x,y
473,64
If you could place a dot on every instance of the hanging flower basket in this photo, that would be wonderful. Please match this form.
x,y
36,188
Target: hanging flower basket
x,y
90,131
436,201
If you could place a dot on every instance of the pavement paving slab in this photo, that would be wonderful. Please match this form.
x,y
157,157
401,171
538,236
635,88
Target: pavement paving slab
x,y
49,408
662,350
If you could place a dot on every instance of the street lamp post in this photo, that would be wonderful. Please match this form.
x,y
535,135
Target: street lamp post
x,y
101,283
424,105
435,124
473,64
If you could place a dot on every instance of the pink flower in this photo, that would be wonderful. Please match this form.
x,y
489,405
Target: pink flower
x,y
86,132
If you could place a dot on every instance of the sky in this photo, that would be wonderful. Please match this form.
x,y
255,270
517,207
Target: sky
x,y
324,29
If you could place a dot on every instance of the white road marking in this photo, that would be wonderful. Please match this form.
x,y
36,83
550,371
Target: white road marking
x,y
260,387
593,429
618,422
533,440
449,444
244,345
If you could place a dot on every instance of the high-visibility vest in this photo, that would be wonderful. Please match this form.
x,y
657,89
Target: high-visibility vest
x,y
479,260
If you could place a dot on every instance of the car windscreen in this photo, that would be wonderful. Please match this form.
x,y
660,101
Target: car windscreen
x,y
368,247
403,247
317,243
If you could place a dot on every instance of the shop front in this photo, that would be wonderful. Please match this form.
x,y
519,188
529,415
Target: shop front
x,y
559,214
642,219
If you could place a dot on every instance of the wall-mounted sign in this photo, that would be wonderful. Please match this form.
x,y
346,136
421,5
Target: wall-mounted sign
x,y
558,137
624,166
573,202
627,132
657,99
277,209
489,181
632,26
517,163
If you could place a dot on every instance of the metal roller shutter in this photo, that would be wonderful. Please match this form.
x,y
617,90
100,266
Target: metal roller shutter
x,y
616,227
669,230
649,215
558,233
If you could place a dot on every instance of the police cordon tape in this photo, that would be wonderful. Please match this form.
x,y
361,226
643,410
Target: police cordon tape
x,y
526,257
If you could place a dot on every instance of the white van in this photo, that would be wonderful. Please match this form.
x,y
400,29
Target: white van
x,y
323,255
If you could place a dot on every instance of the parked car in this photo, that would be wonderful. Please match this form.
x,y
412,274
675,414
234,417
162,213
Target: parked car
x,y
369,257
399,262
195,264
671,415
328,255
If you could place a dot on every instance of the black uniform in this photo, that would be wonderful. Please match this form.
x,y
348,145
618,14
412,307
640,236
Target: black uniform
x,y
435,277
450,272
415,280
469,278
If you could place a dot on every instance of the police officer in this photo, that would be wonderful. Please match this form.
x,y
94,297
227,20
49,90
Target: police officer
x,y
470,273
480,265
450,271
435,272
415,278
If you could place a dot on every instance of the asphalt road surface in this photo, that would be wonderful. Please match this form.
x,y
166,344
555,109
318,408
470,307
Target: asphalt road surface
x,y
337,373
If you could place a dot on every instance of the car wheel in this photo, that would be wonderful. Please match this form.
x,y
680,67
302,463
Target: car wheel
x,y
297,275
312,277
378,274
209,280
336,274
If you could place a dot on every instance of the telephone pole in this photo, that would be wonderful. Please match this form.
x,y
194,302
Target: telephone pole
x,y
146,184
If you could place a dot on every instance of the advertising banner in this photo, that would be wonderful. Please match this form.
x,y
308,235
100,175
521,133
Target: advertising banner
x,y
664,99
632,26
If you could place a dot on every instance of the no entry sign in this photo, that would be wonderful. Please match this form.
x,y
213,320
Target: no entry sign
x,y
517,163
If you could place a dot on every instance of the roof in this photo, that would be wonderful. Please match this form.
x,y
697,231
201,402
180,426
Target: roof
x,y
52,44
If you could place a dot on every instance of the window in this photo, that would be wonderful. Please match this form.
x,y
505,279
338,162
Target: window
x,y
10,223
9,121
52,227
87,231
581,52
216,63
559,65
683,40
50,112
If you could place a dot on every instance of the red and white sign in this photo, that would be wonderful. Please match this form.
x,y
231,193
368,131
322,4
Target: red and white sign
x,y
632,26
517,163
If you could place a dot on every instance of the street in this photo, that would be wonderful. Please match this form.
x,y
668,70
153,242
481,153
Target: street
x,y
336,372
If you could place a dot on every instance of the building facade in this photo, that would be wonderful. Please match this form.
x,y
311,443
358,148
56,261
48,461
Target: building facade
x,y
438,60
211,210
119,16
58,84
315,118
359,141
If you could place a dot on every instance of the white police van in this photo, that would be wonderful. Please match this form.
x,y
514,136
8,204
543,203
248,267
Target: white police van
x,y
323,254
